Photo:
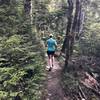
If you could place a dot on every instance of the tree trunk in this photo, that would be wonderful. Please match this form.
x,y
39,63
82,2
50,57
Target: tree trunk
x,y
27,6
66,43
81,22
73,27
75,24
70,17
28,10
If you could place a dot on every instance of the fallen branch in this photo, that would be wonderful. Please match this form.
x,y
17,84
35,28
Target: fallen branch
x,y
82,93
76,97
93,90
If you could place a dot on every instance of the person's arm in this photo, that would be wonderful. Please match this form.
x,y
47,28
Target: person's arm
x,y
56,44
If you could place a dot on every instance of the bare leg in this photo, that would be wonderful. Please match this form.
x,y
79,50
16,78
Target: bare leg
x,y
52,60
49,60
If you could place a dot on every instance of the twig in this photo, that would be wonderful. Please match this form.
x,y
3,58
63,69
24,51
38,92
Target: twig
x,y
93,90
80,95
81,91
76,97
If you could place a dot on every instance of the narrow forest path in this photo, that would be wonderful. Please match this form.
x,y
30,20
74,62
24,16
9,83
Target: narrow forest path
x,y
54,89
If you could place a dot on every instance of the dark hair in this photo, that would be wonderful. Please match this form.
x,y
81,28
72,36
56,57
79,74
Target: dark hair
x,y
50,36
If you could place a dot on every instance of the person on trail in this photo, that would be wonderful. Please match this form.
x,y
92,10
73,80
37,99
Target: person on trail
x,y
51,44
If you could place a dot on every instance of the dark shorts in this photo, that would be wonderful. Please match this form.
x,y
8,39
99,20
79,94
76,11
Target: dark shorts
x,y
50,52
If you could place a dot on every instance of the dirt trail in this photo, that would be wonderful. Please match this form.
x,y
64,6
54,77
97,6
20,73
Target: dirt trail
x,y
54,90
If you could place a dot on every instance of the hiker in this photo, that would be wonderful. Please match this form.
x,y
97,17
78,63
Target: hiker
x,y
51,44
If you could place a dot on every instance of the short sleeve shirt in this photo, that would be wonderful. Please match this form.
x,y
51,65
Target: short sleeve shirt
x,y
51,43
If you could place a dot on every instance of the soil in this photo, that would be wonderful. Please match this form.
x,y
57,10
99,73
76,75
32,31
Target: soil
x,y
54,90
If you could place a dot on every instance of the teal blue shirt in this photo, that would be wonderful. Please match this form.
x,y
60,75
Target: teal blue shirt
x,y
51,43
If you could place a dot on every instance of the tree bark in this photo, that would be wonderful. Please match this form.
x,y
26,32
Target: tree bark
x,y
66,43
75,24
81,22
70,17
27,6
28,10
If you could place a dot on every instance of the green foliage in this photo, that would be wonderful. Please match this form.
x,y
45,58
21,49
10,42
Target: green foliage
x,y
21,58
50,16
12,41
90,42
8,18
86,52
3,94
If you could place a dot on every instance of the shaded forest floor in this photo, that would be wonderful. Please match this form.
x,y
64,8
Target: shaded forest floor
x,y
53,88
79,81
82,78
